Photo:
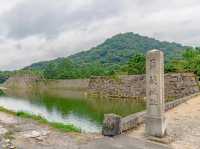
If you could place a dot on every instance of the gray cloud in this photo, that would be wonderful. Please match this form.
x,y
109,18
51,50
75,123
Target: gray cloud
x,y
49,18
35,30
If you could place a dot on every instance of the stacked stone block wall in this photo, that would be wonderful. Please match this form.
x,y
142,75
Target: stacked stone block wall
x,y
177,85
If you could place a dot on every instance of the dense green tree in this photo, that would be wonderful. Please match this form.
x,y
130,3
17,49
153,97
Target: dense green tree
x,y
136,64
192,60
50,71
66,69
4,76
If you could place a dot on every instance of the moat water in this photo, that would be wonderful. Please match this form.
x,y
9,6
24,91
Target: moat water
x,y
69,107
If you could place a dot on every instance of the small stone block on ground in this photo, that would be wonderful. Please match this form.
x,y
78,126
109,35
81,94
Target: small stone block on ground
x,y
111,125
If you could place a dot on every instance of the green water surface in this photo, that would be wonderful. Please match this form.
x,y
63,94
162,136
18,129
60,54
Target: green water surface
x,y
70,107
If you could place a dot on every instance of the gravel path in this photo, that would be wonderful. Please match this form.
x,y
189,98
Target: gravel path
x,y
183,125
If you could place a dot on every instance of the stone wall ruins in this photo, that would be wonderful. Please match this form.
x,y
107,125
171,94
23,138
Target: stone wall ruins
x,y
177,85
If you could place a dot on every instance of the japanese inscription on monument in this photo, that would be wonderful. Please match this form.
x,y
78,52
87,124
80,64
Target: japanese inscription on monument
x,y
153,82
155,119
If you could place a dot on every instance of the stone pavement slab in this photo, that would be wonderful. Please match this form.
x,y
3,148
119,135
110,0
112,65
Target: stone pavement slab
x,y
183,125
123,142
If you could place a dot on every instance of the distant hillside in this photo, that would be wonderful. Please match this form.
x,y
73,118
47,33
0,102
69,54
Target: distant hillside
x,y
121,47
118,50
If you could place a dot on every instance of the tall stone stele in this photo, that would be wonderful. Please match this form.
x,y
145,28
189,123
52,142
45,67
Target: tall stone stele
x,y
155,122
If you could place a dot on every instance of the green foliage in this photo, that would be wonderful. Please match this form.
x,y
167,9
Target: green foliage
x,y
175,66
59,126
2,109
117,55
65,128
28,72
188,62
65,69
120,48
2,93
170,67
28,115
192,60
4,75
136,64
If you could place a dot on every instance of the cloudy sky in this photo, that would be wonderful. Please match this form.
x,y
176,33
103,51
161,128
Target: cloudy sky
x,y
35,30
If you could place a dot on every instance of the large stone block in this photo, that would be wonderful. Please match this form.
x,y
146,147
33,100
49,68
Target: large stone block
x,y
111,125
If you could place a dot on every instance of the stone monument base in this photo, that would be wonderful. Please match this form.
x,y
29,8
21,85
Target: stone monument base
x,y
155,126
165,140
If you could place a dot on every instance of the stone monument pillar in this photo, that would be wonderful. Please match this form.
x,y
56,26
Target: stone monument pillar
x,y
155,122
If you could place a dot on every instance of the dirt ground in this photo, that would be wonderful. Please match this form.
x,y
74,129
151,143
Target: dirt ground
x,y
21,133
183,126
18,133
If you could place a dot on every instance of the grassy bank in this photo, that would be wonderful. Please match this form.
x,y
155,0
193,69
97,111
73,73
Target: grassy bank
x,y
60,126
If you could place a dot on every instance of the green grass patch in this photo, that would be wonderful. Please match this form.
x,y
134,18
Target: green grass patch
x,y
60,126
65,127
170,98
2,109
31,116
1,93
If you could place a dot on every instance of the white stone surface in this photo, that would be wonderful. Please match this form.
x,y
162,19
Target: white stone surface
x,y
155,117
36,133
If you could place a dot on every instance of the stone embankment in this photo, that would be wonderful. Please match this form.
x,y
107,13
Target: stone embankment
x,y
177,85
33,82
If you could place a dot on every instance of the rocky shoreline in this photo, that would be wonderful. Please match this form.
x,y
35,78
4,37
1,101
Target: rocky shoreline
x,y
20,133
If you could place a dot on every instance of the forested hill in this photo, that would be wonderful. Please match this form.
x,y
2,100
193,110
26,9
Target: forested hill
x,y
121,47
120,54
118,50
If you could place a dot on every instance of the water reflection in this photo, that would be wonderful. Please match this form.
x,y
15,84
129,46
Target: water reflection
x,y
68,106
